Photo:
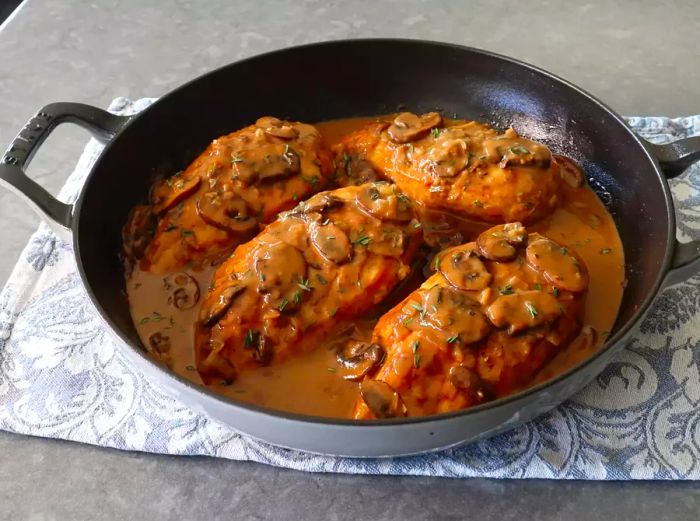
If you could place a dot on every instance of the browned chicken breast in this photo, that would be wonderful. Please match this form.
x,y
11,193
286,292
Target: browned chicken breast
x,y
495,311
240,181
463,167
330,259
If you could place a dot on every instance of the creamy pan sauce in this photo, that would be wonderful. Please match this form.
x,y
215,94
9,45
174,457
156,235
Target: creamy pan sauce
x,y
311,384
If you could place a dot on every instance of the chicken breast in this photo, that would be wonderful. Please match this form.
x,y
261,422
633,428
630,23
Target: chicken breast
x,y
463,167
240,181
330,259
491,316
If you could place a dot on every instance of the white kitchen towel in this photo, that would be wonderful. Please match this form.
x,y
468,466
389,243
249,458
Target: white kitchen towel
x,y
62,376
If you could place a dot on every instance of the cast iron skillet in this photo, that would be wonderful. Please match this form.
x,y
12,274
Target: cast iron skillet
x,y
362,78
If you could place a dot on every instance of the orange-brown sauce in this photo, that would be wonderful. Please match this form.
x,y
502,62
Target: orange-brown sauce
x,y
311,384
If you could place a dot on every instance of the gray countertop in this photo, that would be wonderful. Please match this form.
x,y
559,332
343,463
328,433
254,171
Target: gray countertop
x,y
640,57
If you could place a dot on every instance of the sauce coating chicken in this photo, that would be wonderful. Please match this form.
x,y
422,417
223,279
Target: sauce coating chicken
x,y
329,259
493,314
240,181
464,167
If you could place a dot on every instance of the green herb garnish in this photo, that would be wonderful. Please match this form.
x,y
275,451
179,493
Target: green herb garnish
x,y
478,203
453,339
283,304
250,338
321,279
362,240
531,309
304,284
506,290
519,150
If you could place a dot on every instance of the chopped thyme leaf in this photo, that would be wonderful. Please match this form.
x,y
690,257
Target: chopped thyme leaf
x,y
171,227
236,159
538,286
519,150
283,304
186,233
415,346
453,339
437,263
296,298
531,309
156,317
190,368
506,290
417,307
417,224
261,276
212,183
321,279
362,240
312,180
605,251
416,360
304,284
250,338
346,159
435,133
478,203
564,251
555,291
407,321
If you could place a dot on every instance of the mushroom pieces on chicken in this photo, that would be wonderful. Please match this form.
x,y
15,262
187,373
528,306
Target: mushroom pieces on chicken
x,y
460,166
240,182
320,263
478,328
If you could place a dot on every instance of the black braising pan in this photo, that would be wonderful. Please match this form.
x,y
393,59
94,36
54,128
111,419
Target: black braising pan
x,y
363,78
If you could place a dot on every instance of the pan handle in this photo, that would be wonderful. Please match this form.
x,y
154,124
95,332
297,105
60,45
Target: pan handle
x,y
57,214
674,159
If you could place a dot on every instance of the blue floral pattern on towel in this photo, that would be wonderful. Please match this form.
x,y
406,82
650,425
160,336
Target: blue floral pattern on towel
x,y
62,376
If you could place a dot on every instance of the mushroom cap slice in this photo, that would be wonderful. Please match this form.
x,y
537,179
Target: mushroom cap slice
x,y
279,268
276,167
449,157
227,212
357,359
558,264
455,314
520,311
500,242
570,172
467,380
385,202
159,342
331,242
463,268
211,314
169,192
512,150
382,399
277,128
407,126
185,290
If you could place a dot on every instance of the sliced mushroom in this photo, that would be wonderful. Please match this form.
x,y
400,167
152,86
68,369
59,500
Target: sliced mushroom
x,y
382,400
512,150
185,290
520,311
331,242
210,315
385,202
280,268
586,340
463,268
169,192
358,359
389,241
449,157
570,172
252,166
262,349
276,167
454,314
227,212
277,128
467,380
360,171
558,264
138,231
500,242
321,202
409,127
159,343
